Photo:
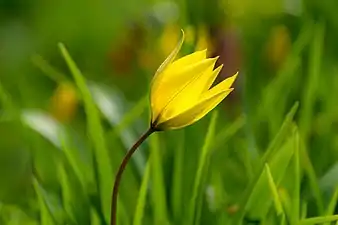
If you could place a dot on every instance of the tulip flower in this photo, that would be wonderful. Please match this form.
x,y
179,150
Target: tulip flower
x,y
181,94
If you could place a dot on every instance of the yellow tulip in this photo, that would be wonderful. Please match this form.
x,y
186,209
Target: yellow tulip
x,y
181,92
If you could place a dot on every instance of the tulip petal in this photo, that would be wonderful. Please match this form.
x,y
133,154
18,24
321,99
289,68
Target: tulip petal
x,y
189,59
190,94
170,58
172,71
195,113
211,78
173,83
223,86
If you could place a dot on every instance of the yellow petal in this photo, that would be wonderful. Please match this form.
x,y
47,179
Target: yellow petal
x,y
172,71
173,83
189,95
211,79
223,86
189,59
158,75
195,113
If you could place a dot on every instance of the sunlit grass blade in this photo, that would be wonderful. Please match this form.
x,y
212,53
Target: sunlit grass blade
x,y
45,214
73,161
158,186
48,70
297,180
303,213
142,198
277,141
319,220
66,192
96,134
177,179
286,201
260,201
94,218
197,191
332,204
273,188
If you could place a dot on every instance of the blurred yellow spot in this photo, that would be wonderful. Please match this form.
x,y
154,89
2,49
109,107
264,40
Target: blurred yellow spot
x,y
64,102
190,35
203,40
279,45
169,38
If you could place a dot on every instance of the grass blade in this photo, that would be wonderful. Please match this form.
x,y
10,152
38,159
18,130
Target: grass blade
x,y
158,186
296,189
282,133
309,97
201,168
319,220
332,204
45,215
274,191
177,179
141,202
96,134
310,172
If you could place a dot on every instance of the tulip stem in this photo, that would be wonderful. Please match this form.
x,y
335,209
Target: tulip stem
x,y
122,167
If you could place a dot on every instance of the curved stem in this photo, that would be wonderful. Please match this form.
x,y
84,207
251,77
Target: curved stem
x,y
120,172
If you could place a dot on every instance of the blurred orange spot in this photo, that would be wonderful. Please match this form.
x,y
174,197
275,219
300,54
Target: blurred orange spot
x,y
64,102
232,209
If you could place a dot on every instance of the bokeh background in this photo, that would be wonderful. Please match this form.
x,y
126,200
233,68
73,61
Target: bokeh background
x,y
62,136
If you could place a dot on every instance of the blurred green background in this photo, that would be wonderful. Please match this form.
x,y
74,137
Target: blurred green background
x,y
267,155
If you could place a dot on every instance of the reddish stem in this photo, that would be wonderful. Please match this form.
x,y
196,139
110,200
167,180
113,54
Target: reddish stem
x,y
122,167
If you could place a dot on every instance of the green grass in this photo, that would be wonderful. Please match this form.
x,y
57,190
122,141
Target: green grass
x,y
265,164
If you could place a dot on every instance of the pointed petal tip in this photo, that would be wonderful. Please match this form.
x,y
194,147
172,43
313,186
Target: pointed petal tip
x,y
216,58
204,51
217,70
220,67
